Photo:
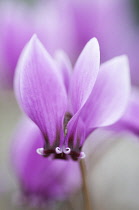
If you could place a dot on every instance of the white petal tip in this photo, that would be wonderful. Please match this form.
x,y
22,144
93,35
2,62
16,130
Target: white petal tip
x,y
93,41
34,36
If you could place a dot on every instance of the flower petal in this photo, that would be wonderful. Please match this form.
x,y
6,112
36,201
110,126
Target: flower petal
x,y
82,83
130,120
110,95
65,67
84,75
40,90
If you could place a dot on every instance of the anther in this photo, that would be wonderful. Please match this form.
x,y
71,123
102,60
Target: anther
x,y
58,150
40,151
67,150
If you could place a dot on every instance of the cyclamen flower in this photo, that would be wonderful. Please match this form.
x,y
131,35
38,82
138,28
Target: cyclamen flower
x,y
40,179
67,106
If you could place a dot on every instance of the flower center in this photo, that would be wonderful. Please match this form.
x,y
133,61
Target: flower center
x,y
61,153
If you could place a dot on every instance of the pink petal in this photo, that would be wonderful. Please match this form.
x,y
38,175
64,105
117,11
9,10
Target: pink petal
x,y
130,120
40,90
84,75
83,80
110,95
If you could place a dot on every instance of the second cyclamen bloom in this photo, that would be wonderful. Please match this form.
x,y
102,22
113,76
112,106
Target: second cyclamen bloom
x,y
68,105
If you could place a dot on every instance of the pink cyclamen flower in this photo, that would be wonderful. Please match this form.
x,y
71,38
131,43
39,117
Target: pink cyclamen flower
x,y
93,96
40,179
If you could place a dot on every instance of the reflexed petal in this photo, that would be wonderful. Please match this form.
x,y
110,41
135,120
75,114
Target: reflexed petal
x,y
40,90
110,95
65,67
84,75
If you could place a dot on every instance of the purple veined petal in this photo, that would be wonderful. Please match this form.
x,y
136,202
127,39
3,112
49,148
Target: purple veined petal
x,y
82,83
40,91
65,67
130,120
84,75
110,94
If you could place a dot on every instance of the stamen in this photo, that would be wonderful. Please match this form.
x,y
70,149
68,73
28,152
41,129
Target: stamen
x,y
67,150
58,150
82,155
67,118
40,151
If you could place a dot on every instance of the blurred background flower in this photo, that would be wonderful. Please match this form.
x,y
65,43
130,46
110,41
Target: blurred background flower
x,y
69,25
19,22
114,24
40,179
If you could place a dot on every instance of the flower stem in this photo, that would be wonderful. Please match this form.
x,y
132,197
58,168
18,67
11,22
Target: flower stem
x,y
86,195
